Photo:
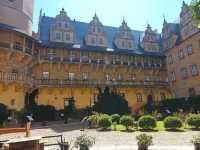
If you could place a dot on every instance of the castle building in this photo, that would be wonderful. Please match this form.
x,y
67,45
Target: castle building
x,y
70,59
182,49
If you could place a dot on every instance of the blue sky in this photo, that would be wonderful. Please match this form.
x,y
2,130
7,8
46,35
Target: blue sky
x,y
111,12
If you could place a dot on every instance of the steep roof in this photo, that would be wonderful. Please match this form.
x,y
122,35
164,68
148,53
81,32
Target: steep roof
x,y
81,29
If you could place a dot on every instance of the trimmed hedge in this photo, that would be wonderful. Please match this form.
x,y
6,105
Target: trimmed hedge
x,y
115,118
104,121
194,120
127,121
172,122
147,122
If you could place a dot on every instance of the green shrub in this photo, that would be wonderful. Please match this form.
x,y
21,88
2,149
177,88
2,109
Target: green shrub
x,y
172,122
93,119
144,141
147,122
104,121
127,121
3,114
84,142
20,116
194,121
44,113
115,118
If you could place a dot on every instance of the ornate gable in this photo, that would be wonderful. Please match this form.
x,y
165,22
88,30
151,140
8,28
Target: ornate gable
x,y
150,41
124,38
61,29
187,24
96,35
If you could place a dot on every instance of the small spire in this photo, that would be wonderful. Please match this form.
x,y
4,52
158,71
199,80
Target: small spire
x,y
41,12
95,15
124,20
164,22
184,3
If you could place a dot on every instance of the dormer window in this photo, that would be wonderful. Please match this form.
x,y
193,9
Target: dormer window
x,y
124,38
96,35
60,30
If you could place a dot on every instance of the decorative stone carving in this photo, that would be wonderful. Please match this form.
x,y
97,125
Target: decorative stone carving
x,y
61,30
124,37
187,24
150,41
95,35
170,33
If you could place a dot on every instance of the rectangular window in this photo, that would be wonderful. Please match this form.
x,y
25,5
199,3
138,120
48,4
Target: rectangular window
x,y
173,76
194,70
58,37
189,50
180,54
131,77
71,76
108,77
93,41
68,36
184,73
119,77
85,76
101,41
170,59
45,75
139,97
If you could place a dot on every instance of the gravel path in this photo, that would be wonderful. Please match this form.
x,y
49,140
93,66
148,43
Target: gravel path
x,y
109,138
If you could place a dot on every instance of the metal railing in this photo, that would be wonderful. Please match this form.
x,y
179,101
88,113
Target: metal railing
x,y
16,47
100,62
15,77
57,82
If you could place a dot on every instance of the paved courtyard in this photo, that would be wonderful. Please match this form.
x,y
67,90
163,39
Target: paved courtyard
x,y
163,140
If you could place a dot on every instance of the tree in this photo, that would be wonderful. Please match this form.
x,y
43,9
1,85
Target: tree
x,y
3,113
195,9
111,102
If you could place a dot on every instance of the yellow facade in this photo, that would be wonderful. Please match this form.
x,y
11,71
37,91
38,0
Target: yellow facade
x,y
23,66
184,56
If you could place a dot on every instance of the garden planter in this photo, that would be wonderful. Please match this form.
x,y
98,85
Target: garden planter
x,y
197,146
83,147
142,148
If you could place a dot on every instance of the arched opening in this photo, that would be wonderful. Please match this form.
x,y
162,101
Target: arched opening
x,y
150,100
150,103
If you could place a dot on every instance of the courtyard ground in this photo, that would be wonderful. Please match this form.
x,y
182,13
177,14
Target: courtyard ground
x,y
163,140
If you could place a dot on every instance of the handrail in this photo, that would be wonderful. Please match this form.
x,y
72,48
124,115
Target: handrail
x,y
15,47
17,77
57,82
